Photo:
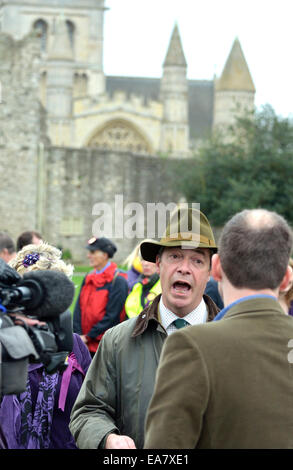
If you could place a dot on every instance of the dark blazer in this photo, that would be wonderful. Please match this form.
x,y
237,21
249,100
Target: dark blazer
x,y
226,384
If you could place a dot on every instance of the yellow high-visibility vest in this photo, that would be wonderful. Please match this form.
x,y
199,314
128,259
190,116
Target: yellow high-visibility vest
x,y
133,305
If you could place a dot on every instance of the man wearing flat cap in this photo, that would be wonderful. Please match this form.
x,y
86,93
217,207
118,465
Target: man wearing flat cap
x,y
111,407
100,304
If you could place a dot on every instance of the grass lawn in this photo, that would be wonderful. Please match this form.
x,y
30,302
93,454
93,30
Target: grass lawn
x,y
77,281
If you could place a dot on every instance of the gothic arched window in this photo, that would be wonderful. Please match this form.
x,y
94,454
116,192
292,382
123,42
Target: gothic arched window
x,y
71,32
41,27
80,84
120,135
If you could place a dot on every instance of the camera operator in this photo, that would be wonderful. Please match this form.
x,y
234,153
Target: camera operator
x,y
38,418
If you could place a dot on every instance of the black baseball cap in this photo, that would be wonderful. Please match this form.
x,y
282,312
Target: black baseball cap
x,y
103,244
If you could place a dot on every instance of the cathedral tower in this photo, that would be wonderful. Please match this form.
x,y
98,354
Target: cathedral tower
x,y
84,21
173,94
60,86
234,90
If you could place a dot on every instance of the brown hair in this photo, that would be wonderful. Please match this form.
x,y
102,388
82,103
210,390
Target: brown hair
x,y
254,249
26,238
6,242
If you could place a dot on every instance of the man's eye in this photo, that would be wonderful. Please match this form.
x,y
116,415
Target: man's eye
x,y
173,256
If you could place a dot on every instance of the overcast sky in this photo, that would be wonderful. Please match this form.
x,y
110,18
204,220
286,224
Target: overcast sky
x,y
137,34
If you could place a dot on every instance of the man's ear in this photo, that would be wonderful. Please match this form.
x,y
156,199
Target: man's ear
x,y
287,280
216,267
158,260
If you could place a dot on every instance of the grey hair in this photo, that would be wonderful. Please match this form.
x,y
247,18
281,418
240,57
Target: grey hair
x,y
50,258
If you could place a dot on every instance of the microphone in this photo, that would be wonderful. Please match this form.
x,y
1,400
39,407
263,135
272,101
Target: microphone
x,y
8,275
44,294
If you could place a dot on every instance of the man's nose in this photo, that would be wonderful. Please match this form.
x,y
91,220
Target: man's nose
x,y
184,266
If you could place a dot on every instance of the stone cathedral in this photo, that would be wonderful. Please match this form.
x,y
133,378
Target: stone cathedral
x,y
71,137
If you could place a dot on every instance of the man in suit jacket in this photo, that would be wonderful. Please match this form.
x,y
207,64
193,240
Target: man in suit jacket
x,y
229,383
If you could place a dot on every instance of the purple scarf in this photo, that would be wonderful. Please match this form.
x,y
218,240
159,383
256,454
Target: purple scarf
x,y
32,424
35,427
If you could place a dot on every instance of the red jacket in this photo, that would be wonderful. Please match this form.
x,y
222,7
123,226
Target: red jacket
x,y
100,304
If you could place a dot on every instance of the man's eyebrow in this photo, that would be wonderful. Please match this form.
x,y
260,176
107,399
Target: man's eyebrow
x,y
201,252
195,250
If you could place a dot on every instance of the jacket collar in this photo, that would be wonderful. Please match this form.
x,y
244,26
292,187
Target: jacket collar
x,y
149,315
255,305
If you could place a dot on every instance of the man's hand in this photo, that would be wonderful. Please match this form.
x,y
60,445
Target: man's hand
x,y
20,319
84,338
114,441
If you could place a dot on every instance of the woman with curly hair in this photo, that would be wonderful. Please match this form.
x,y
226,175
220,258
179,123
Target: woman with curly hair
x,y
38,418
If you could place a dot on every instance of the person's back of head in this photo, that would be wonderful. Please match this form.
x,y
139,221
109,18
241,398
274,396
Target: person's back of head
x,y
7,247
254,249
28,238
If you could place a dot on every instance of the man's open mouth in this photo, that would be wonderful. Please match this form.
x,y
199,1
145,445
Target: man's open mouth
x,y
181,286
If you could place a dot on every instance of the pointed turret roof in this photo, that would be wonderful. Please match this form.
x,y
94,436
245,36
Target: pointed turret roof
x,y
175,54
61,48
236,75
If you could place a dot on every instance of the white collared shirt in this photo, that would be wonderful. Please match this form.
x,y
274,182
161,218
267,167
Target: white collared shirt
x,y
197,316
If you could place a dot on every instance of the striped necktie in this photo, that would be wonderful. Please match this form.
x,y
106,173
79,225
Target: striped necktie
x,y
180,323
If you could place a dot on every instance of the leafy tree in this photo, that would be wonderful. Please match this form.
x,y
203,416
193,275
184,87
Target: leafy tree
x,y
250,166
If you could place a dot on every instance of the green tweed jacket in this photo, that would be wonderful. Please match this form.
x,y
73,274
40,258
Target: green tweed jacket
x,y
226,384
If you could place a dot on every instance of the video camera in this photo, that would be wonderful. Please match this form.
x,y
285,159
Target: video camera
x,y
39,295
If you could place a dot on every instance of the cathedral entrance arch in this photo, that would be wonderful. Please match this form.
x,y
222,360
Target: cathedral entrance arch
x,y
121,135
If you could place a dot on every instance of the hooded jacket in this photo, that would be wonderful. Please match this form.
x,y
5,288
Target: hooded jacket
x,y
100,304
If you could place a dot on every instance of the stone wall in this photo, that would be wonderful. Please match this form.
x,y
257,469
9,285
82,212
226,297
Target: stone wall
x,y
77,179
22,128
